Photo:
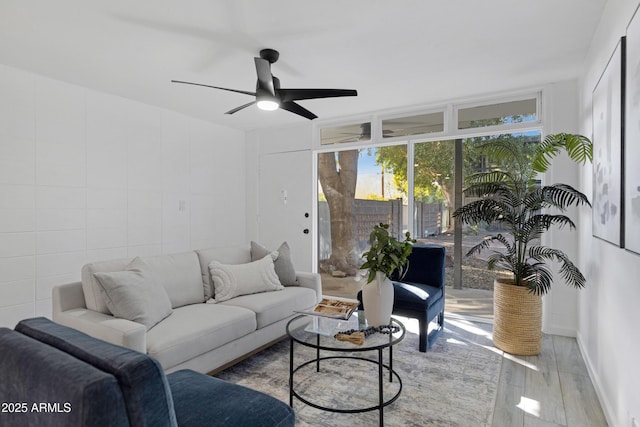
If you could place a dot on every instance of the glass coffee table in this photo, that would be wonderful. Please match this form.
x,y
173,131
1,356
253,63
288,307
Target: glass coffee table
x,y
317,333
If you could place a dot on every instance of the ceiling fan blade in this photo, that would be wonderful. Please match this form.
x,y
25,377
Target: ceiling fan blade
x,y
235,110
297,109
216,87
263,69
287,95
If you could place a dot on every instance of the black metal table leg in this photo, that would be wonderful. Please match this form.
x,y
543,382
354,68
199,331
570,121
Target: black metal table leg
x,y
380,393
318,353
390,364
291,372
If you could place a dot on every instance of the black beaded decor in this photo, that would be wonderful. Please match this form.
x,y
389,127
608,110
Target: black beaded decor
x,y
382,329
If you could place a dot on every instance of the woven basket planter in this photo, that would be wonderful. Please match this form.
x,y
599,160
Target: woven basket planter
x,y
517,319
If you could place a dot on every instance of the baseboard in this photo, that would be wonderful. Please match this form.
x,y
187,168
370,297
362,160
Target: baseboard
x,y
609,414
563,332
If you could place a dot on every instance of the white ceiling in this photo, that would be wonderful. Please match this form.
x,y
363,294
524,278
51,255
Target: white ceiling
x,y
395,53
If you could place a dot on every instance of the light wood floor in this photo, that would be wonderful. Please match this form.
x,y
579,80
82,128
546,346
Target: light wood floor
x,y
551,389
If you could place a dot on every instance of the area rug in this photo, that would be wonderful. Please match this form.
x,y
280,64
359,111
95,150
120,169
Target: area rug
x,y
454,384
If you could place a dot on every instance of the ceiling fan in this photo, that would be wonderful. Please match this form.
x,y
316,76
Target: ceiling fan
x,y
270,96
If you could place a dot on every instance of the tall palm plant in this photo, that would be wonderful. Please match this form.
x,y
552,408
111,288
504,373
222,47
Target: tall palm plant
x,y
513,199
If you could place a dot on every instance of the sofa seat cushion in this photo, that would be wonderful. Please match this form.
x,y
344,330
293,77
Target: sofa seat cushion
x,y
195,329
415,296
271,307
201,400
34,372
144,386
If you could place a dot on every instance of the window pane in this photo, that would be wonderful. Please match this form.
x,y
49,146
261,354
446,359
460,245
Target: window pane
x,y
347,133
433,187
357,189
413,125
498,114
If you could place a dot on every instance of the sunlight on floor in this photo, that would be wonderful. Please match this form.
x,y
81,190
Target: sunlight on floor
x,y
530,406
470,327
520,361
411,325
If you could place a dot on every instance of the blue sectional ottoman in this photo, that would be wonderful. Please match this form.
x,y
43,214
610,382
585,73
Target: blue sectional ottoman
x,y
57,376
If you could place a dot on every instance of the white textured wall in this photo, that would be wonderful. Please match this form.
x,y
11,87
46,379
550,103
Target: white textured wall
x,y
86,176
610,305
560,114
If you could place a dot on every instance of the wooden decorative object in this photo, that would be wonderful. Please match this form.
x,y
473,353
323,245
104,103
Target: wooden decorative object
x,y
356,338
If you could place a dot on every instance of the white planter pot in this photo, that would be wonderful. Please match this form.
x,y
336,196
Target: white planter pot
x,y
377,298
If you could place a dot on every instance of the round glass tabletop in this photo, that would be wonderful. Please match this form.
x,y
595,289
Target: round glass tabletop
x,y
318,332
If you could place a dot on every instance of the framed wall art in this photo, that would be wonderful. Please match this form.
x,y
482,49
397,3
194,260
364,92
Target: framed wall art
x,y
632,137
608,115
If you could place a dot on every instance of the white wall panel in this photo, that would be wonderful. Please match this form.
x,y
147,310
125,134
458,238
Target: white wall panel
x,y
15,220
104,238
17,244
144,250
60,219
107,253
60,264
144,153
17,268
176,159
203,209
144,218
18,292
60,134
43,308
17,104
175,222
12,314
203,173
106,218
608,306
106,142
17,197
17,131
48,242
87,176
44,285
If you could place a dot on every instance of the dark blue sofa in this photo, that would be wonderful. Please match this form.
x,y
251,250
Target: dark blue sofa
x,y
420,293
52,375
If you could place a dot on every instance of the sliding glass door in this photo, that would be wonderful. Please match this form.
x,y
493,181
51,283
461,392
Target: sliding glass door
x,y
356,190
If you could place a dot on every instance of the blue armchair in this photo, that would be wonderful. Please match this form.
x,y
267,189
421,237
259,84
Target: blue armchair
x,y
420,293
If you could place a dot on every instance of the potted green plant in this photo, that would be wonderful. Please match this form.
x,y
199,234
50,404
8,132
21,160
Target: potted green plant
x,y
385,256
511,198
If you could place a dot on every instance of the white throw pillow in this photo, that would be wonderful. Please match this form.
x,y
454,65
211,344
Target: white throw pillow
x,y
134,295
232,280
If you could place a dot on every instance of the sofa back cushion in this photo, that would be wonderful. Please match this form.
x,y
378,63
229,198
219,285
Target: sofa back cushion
x,y
143,383
180,276
34,372
237,255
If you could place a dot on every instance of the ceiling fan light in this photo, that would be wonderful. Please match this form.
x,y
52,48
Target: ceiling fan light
x,y
268,104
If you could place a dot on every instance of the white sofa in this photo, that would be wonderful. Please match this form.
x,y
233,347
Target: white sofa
x,y
197,335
